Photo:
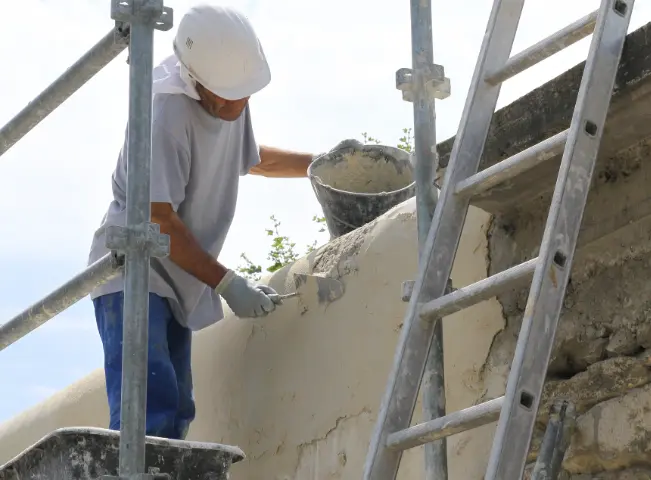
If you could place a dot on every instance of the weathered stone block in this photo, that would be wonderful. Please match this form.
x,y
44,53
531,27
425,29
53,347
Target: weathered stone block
x,y
609,317
633,474
601,381
613,435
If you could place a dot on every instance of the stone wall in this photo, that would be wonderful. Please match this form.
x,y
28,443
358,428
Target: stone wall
x,y
601,358
602,353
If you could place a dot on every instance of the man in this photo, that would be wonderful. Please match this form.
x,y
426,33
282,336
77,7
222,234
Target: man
x,y
202,142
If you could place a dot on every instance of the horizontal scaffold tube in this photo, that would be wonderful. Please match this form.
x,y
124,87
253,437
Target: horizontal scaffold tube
x,y
63,87
63,297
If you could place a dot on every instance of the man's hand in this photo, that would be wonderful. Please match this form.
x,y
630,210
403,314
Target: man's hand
x,y
348,143
246,299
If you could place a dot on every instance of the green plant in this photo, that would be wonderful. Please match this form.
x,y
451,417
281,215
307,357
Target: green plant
x,y
282,250
368,139
406,142
321,222
249,269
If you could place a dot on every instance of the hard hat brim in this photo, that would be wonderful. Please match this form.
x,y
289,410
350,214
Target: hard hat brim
x,y
261,80
254,85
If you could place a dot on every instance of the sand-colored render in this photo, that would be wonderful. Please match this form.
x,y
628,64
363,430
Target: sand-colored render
x,y
299,390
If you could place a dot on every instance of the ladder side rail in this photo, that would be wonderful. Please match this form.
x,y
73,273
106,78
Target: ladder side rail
x,y
400,396
60,299
535,341
433,383
94,60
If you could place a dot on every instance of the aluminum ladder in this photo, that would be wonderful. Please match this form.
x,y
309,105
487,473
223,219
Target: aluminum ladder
x,y
429,302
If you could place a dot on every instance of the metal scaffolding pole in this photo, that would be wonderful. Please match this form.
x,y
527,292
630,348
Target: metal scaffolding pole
x,y
422,84
139,239
562,420
63,297
136,282
104,51
433,383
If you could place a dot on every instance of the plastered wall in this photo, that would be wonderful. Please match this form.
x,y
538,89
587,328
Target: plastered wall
x,y
299,390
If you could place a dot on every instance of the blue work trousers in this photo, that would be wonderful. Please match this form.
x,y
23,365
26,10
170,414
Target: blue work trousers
x,y
170,402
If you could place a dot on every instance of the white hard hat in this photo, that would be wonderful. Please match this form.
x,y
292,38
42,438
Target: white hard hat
x,y
220,50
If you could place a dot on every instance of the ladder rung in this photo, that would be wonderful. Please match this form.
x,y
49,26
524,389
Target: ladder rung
x,y
457,422
512,166
545,48
478,291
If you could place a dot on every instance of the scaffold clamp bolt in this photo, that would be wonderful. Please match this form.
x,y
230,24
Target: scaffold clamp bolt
x,y
143,11
144,236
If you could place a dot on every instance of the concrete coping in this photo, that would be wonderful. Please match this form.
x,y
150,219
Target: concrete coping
x,y
548,109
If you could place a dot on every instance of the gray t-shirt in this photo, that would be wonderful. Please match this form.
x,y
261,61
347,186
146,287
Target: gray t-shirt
x,y
196,164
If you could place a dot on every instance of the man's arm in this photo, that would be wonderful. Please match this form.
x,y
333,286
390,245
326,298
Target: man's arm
x,y
278,163
185,251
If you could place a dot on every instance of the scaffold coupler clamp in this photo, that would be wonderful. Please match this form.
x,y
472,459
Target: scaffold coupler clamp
x,y
436,84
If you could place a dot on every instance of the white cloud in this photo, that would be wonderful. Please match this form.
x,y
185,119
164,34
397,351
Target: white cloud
x,y
333,67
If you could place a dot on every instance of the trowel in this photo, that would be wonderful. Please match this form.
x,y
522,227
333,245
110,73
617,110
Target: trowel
x,y
326,289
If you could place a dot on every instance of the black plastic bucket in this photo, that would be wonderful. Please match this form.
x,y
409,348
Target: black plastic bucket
x,y
355,185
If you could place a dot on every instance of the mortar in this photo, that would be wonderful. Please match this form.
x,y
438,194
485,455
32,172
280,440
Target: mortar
x,y
356,185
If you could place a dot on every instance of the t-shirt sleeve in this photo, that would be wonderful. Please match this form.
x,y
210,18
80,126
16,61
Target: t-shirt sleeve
x,y
170,166
250,148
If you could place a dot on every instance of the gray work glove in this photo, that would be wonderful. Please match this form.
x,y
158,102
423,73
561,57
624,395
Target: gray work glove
x,y
271,293
246,299
350,142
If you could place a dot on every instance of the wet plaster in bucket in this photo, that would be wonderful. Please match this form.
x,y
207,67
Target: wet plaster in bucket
x,y
358,172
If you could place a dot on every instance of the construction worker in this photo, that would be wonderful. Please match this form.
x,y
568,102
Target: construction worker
x,y
202,142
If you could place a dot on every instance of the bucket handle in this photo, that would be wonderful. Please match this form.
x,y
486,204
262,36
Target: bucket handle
x,y
334,217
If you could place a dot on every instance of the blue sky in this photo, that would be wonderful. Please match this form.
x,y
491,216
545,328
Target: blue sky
x,y
333,66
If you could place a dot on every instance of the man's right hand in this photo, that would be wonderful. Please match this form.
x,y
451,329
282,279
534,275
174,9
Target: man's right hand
x,y
245,299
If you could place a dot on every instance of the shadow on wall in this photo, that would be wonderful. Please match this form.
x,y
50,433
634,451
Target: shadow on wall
x,y
299,390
